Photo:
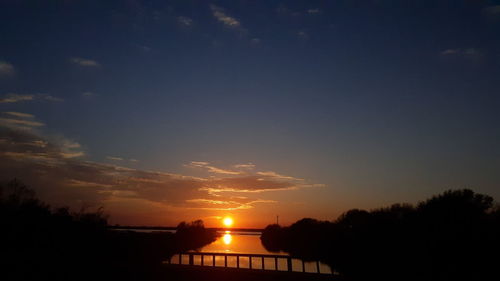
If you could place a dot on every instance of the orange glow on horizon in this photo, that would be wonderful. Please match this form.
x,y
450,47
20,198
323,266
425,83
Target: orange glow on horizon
x,y
228,221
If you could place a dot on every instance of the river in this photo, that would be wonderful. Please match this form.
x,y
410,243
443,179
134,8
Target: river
x,y
246,243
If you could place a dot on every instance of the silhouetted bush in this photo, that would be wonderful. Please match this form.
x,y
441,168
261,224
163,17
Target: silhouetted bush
x,y
272,237
452,236
193,235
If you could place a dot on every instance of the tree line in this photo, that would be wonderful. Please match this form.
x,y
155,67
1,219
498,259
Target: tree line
x,y
43,243
451,236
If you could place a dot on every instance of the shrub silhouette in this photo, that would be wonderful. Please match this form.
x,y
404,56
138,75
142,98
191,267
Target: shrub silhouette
x,y
193,235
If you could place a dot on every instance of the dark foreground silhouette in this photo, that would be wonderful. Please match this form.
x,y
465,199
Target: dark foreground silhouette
x,y
452,236
40,243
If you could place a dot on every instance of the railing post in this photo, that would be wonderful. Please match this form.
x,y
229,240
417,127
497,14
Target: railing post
x,y
317,266
277,258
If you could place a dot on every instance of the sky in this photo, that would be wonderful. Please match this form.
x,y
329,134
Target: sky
x,y
163,111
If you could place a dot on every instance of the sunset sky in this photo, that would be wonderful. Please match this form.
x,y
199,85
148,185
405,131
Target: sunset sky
x,y
163,111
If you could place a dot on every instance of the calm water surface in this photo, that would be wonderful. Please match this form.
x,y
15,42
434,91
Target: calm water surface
x,y
246,243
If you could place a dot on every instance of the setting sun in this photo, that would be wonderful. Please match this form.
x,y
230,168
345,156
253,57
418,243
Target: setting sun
x,y
228,221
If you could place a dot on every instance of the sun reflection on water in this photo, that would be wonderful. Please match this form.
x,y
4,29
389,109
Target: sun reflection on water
x,y
227,238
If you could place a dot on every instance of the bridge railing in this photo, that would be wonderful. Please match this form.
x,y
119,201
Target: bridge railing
x,y
180,259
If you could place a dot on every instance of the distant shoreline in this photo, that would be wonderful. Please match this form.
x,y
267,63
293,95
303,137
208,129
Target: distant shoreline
x,y
128,227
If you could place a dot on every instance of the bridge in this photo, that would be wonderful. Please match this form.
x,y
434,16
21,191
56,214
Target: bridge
x,y
248,261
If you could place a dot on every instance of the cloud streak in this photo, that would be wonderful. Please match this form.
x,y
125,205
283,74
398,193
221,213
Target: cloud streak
x,y
469,52
114,158
212,169
15,98
19,114
313,11
492,10
275,175
84,62
222,17
184,21
249,166
17,122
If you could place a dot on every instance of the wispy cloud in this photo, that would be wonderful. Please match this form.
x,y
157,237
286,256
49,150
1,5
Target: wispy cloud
x,y
313,11
184,21
14,98
245,166
84,62
144,48
81,183
247,184
20,122
74,154
492,10
6,68
212,169
224,205
114,158
302,35
221,16
469,52
275,175
450,52
284,10
199,163
51,98
19,114
255,41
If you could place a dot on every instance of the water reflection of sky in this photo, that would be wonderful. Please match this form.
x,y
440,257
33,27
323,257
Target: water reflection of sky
x,y
238,242
246,243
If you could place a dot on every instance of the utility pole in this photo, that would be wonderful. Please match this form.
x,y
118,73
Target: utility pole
x,y
277,220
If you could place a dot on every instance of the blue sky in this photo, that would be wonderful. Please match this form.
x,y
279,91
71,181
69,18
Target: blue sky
x,y
351,103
